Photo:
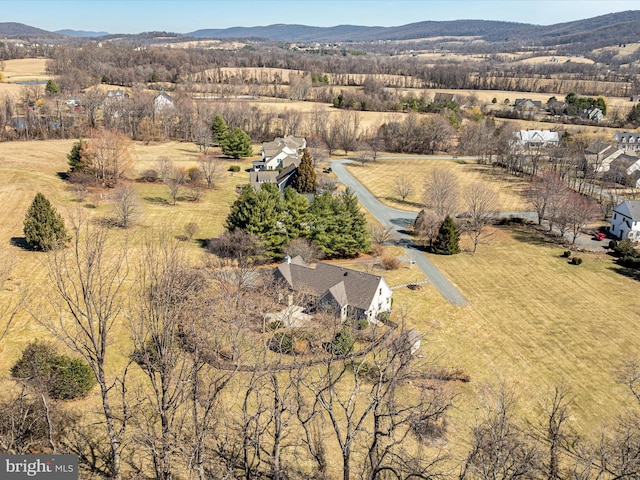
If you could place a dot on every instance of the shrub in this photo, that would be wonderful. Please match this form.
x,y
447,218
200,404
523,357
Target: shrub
x,y
358,323
384,317
281,342
613,244
62,377
343,342
275,325
576,261
566,254
390,262
625,248
234,168
301,346
191,229
630,262
429,428
150,176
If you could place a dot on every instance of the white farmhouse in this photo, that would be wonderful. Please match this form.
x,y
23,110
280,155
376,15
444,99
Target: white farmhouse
x,y
625,221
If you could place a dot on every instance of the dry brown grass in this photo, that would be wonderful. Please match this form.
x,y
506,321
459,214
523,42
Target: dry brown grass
x,y
379,176
25,69
533,321
30,167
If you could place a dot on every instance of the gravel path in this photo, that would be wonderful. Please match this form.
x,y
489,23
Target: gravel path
x,y
399,220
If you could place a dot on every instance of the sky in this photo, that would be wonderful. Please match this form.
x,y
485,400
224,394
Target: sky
x,y
183,16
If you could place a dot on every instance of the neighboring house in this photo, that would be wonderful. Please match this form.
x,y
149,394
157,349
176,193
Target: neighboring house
x,y
352,293
628,142
600,155
281,153
593,114
162,102
116,95
527,105
536,138
625,221
634,170
634,98
443,98
280,178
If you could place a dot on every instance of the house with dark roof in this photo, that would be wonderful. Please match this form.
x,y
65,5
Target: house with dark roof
x,y
593,114
628,141
280,178
527,105
443,98
351,293
625,221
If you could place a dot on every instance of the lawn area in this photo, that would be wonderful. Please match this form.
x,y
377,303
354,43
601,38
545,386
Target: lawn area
x,y
379,177
30,167
533,321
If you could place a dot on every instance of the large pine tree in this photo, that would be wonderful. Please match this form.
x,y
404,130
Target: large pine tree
x,y
447,241
236,144
305,179
44,227
219,129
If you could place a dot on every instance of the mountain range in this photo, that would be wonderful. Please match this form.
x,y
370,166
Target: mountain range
x,y
615,28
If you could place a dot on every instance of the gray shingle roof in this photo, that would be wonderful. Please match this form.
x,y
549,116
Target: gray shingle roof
x,y
346,286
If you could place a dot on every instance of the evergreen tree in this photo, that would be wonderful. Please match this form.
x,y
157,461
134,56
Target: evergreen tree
x,y
44,227
447,241
219,129
305,178
51,88
78,157
297,219
261,214
236,144
338,226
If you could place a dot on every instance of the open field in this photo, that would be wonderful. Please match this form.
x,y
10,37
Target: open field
x,y
30,167
25,69
379,178
533,322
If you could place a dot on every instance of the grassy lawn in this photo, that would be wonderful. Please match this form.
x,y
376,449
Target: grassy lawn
x,y
379,177
30,167
533,321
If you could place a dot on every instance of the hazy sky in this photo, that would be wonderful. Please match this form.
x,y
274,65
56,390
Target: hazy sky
x,y
135,16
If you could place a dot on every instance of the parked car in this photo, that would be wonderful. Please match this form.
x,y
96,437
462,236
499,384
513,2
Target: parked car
x,y
599,236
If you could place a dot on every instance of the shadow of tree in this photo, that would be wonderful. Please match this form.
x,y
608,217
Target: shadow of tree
x,y
627,272
20,242
404,203
157,200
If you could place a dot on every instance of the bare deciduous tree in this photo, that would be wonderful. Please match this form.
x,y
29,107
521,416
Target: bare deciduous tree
x,y
441,192
481,204
125,205
402,186
212,171
88,282
174,181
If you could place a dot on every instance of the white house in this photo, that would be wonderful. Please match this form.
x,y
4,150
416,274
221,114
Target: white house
x,y
628,142
536,138
162,102
600,155
281,153
352,293
625,221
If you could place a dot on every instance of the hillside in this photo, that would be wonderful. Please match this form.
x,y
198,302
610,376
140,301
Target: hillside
x,y
20,30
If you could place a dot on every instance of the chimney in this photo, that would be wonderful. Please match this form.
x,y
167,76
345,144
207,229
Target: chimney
x,y
287,259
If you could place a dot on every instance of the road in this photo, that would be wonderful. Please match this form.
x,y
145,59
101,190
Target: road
x,y
399,220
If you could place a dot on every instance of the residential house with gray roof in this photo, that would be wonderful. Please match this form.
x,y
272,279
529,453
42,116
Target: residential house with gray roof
x,y
625,221
353,294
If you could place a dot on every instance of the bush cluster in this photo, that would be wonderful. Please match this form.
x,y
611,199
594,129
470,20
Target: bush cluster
x,y
62,377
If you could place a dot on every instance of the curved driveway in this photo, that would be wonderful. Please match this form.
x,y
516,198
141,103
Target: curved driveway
x,y
399,220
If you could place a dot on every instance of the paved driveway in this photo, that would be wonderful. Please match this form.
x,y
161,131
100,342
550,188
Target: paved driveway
x,y
399,220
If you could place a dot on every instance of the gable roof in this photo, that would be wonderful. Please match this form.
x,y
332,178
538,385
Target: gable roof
x,y
629,208
345,286
537,136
